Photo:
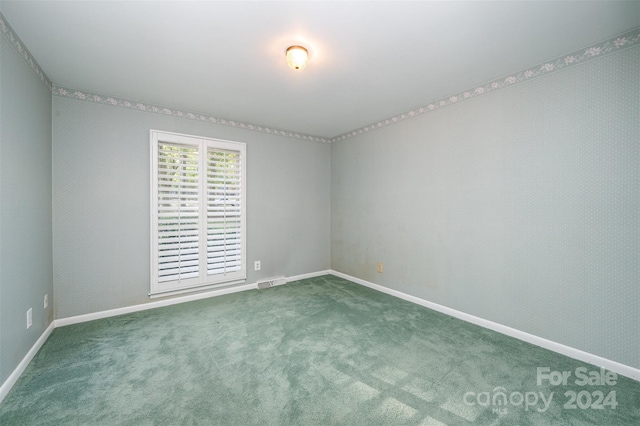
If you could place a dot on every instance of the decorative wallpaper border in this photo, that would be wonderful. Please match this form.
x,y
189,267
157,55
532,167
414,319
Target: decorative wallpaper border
x,y
22,50
615,44
172,112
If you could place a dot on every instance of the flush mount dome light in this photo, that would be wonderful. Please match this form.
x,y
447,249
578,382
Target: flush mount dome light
x,y
297,57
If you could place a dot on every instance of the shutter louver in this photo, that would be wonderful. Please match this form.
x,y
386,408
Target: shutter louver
x,y
224,209
178,212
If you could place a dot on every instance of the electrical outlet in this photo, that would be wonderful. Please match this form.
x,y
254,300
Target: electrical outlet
x,y
29,317
256,265
379,267
46,301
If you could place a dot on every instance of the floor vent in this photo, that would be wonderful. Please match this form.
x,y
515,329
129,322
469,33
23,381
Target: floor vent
x,y
271,283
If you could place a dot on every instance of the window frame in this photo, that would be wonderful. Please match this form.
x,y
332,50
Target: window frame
x,y
204,280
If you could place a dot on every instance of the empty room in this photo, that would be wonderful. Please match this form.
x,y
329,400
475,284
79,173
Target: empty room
x,y
319,213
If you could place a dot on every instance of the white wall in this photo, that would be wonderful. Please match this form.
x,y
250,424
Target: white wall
x,y
101,184
520,206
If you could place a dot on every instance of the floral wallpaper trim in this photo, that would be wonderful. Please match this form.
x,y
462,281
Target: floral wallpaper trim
x,y
613,45
19,46
9,33
140,106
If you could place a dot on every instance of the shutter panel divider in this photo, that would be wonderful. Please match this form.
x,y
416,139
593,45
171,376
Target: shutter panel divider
x,y
203,208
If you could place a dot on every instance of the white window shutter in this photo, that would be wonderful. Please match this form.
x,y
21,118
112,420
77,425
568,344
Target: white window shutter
x,y
198,213
224,211
178,212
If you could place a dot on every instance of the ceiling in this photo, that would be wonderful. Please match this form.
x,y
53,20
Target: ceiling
x,y
368,60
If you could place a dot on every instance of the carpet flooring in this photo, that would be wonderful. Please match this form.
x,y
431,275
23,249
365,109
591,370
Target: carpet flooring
x,y
320,351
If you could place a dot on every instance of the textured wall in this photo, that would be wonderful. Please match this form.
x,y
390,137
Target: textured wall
x,y
101,181
25,207
520,206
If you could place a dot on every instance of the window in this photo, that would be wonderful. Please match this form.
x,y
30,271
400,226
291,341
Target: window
x,y
197,213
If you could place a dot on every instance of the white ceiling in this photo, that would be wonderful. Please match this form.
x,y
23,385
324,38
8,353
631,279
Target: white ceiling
x,y
369,60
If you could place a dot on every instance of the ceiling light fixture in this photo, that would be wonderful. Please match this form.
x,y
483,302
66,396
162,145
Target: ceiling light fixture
x,y
297,57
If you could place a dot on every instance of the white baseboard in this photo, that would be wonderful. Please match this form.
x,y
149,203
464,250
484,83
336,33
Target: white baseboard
x,y
616,367
173,301
310,275
596,360
13,378
152,305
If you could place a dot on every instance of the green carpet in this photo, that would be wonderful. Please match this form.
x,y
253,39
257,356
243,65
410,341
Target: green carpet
x,y
321,351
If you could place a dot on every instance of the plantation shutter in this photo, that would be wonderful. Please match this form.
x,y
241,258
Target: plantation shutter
x,y
178,212
224,207
198,213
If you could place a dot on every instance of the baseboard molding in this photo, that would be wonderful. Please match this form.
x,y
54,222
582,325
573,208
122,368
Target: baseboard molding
x,y
310,275
173,301
151,305
13,378
598,361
